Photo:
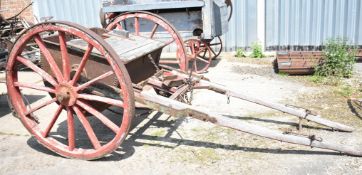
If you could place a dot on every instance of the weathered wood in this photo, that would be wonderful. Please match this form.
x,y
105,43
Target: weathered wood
x,y
179,109
128,49
301,113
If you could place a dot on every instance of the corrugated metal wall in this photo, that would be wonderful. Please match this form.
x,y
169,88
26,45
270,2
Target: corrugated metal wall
x,y
84,12
288,22
242,26
312,22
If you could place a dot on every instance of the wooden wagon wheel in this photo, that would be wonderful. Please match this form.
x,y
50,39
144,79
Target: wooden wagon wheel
x,y
200,54
216,46
154,27
80,136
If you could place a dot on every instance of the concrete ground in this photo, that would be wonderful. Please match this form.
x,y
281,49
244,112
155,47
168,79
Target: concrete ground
x,y
160,144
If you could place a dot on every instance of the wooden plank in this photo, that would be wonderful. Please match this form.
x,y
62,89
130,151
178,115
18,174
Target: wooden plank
x,y
128,49
179,109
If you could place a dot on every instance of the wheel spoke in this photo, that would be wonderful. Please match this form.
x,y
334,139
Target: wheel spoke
x,y
202,59
34,86
154,30
88,128
105,100
82,64
38,70
47,55
103,76
195,66
52,122
99,116
71,130
137,25
214,44
40,106
203,56
65,56
213,52
202,50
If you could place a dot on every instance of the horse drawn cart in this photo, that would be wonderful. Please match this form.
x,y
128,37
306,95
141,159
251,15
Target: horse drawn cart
x,y
192,27
85,72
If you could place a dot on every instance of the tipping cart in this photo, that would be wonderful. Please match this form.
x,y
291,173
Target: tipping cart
x,y
191,28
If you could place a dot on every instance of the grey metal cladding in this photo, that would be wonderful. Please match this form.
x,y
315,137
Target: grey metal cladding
x,y
241,33
312,22
124,6
220,17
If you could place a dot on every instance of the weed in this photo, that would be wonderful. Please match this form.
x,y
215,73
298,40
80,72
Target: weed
x,y
158,133
283,74
240,53
339,59
257,50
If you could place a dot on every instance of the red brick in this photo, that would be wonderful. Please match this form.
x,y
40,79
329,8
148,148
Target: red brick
x,y
13,7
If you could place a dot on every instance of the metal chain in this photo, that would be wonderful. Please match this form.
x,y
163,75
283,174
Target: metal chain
x,y
190,88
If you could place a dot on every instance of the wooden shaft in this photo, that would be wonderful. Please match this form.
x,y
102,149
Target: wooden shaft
x,y
301,113
179,109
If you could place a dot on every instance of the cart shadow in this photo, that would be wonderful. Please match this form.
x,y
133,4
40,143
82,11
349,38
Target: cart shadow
x,y
4,106
137,138
278,122
215,62
356,109
139,134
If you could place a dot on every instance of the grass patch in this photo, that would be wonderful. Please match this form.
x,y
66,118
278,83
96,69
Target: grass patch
x,y
207,154
283,74
347,91
197,156
158,133
240,53
332,103
321,80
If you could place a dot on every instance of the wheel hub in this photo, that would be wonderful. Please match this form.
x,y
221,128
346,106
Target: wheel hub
x,y
66,95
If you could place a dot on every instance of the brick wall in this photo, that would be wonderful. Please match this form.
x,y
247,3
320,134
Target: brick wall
x,y
9,8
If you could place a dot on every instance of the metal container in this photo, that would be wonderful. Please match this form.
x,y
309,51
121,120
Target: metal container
x,y
298,63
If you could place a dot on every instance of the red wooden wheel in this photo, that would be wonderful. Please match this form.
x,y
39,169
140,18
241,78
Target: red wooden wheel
x,y
200,54
153,26
215,46
59,122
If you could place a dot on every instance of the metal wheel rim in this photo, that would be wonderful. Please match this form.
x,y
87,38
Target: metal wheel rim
x,y
197,49
119,71
218,52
